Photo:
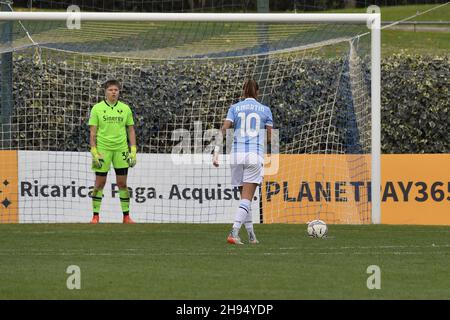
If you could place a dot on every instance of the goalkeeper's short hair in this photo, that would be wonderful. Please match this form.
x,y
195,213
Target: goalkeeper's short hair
x,y
112,82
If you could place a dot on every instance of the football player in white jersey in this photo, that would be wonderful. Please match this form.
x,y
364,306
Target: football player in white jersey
x,y
250,120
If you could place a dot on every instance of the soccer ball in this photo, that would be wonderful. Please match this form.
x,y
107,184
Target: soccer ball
x,y
317,229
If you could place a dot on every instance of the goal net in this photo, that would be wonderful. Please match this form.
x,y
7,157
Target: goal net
x,y
179,78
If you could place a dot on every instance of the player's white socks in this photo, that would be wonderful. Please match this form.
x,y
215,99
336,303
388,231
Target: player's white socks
x,y
248,222
241,214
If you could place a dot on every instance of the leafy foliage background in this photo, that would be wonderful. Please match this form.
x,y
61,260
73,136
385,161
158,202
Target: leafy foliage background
x,y
52,101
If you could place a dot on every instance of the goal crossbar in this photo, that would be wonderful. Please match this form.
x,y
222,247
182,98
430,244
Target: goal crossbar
x,y
191,17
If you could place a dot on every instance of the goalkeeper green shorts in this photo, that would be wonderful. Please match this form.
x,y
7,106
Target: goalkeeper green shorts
x,y
117,158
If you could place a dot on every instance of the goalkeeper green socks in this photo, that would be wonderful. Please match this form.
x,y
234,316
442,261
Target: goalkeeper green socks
x,y
97,196
124,200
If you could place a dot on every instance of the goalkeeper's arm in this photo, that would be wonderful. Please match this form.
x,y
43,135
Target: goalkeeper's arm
x,y
227,124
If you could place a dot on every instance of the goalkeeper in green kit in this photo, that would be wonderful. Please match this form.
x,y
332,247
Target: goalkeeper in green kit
x,y
111,127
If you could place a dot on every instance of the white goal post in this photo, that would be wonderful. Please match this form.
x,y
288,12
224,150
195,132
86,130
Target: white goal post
x,y
373,21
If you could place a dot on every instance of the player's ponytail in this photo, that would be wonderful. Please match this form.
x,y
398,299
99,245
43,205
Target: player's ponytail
x,y
250,89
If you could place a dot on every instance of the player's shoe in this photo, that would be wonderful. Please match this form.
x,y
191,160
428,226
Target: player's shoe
x,y
95,219
233,238
127,219
252,238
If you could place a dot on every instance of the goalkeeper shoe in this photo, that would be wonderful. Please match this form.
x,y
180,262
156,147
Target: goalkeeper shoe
x,y
233,239
252,238
95,219
128,220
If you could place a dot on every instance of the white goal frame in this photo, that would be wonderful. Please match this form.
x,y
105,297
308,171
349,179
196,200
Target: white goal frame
x,y
373,21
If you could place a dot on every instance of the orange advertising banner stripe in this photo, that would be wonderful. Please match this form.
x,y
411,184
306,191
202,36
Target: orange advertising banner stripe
x,y
8,187
334,188
415,189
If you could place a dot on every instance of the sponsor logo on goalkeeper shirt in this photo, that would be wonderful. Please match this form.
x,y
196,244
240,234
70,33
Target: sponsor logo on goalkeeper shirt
x,y
113,119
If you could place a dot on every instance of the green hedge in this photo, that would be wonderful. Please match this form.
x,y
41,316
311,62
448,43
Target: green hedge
x,y
52,101
415,99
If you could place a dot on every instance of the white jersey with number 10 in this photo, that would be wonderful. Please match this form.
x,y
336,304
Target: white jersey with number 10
x,y
249,118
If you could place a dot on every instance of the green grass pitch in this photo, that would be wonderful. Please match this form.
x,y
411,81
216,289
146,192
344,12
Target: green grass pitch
x,y
192,261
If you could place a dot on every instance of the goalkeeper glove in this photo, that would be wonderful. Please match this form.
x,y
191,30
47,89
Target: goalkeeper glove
x,y
132,156
97,158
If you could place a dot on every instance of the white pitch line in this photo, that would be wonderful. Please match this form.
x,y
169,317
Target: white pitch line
x,y
143,254
213,250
